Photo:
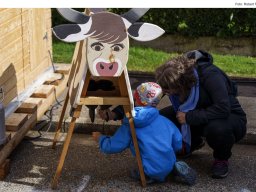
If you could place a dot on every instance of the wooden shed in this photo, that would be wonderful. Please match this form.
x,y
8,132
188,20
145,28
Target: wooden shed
x,y
25,44
25,64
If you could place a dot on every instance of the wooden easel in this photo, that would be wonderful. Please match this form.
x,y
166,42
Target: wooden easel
x,y
96,99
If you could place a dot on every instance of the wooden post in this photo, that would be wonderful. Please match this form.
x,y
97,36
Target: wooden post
x,y
57,131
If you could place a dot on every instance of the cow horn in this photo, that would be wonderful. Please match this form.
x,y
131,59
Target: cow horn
x,y
73,15
134,14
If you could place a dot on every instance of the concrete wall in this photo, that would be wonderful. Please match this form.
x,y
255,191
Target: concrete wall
x,y
176,43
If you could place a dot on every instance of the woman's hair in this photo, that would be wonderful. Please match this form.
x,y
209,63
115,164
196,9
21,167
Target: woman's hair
x,y
177,74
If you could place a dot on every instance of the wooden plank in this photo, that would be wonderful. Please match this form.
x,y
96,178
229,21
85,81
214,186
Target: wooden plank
x,y
38,45
9,96
9,84
15,140
25,9
7,74
20,86
104,101
10,37
4,169
42,107
48,14
25,16
12,24
32,73
37,101
27,108
43,91
54,79
11,48
8,14
15,121
15,60
62,68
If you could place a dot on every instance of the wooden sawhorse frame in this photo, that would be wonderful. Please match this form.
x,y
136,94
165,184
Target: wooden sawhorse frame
x,y
123,99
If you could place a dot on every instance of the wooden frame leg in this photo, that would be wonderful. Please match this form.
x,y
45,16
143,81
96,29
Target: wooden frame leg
x,y
137,151
58,128
64,152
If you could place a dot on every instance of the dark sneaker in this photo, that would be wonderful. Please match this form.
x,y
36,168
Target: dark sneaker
x,y
136,176
184,173
219,169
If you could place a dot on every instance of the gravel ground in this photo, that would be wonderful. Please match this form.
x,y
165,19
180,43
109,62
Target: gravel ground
x,y
86,169
33,162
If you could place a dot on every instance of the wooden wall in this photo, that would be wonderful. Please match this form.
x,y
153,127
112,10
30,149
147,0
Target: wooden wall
x,y
25,39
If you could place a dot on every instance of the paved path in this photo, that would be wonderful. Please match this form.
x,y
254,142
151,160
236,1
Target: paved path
x,y
86,169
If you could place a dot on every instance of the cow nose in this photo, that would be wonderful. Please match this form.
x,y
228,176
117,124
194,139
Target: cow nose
x,y
111,58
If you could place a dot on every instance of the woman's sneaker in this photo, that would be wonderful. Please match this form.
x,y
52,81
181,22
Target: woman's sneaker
x,y
184,173
219,169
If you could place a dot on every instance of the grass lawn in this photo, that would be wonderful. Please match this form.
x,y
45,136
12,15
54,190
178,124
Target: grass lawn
x,y
147,59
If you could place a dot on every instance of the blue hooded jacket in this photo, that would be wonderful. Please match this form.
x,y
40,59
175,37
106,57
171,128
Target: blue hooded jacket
x,y
158,140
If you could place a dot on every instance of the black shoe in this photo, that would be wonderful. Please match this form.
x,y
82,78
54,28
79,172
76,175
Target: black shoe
x,y
219,169
184,173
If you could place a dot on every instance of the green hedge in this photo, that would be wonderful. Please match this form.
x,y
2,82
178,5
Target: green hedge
x,y
198,22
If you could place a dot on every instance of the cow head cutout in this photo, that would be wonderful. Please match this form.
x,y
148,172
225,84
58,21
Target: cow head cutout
x,y
107,37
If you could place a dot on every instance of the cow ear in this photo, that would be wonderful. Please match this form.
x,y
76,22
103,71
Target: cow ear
x,y
69,32
145,31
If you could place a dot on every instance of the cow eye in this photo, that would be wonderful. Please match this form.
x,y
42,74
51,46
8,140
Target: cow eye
x,y
97,46
117,47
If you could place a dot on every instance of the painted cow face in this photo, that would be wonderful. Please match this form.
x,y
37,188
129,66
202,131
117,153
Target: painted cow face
x,y
107,37
107,59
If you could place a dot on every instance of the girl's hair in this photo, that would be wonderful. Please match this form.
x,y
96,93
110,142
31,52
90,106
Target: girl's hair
x,y
177,74
107,28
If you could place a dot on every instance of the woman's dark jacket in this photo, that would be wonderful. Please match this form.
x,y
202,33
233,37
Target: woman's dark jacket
x,y
217,93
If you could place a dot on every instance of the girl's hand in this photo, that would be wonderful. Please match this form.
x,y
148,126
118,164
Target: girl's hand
x,y
96,136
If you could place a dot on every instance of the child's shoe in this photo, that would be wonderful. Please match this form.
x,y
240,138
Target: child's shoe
x,y
185,173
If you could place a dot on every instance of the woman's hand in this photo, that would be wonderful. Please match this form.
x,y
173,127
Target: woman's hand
x,y
96,136
181,117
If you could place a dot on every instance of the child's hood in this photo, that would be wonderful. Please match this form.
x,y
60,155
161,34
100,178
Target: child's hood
x,y
144,116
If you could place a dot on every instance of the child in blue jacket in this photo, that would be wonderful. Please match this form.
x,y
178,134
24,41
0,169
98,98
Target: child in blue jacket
x,y
158,138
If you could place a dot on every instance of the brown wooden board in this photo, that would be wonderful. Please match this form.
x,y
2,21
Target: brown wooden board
x,y
36,101
62,68
15,121
54,79
4,169
27,108
43,91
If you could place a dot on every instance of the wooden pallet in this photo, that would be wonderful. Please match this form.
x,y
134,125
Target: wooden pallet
x,y
29,112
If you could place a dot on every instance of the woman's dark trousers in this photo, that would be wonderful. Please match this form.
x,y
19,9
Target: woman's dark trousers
x,y
220,134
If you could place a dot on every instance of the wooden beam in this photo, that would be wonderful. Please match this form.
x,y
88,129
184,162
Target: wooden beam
x,y
104,101
36,101
62,68
43,91
27,108
54,79
15,121
4,169
10,146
